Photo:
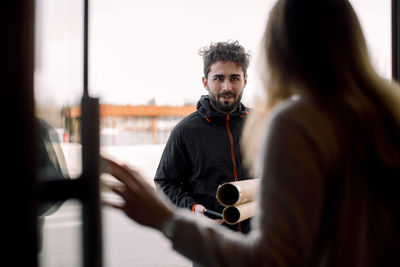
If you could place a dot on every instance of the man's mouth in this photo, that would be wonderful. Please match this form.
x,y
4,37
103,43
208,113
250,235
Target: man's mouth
x,y
227,96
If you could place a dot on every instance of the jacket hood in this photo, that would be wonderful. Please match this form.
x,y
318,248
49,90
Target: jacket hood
x,y
205,109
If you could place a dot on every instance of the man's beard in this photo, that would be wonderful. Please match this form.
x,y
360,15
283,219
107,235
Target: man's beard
x,y
225,106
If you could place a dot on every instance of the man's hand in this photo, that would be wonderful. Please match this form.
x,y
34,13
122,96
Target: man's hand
x,y
199,209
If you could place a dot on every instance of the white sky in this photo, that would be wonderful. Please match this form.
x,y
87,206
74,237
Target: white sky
x,y
147,49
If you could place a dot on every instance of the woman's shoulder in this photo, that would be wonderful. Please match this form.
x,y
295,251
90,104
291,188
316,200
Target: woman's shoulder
x,y
299,109
301,118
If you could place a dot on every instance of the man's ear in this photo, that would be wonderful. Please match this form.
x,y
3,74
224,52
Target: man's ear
x,y
205,82
245,81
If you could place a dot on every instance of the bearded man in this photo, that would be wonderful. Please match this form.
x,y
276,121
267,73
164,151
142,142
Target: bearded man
x,y
203,150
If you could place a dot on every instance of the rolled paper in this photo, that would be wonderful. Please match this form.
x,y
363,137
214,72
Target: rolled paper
x,y
235,214
234,193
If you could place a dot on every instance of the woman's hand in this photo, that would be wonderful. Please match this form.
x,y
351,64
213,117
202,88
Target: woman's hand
x,y
141,202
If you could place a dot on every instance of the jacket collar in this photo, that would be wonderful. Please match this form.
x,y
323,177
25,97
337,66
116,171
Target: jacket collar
x,y
205,109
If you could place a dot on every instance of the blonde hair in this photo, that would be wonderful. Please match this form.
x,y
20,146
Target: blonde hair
x,y
317,48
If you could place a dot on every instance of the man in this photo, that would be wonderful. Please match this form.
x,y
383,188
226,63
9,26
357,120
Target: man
x,y
203,150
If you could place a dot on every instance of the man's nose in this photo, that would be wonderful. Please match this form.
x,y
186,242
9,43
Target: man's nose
x,y
226,86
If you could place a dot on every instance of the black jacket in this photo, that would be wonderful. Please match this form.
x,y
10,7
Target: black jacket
x,y
202,153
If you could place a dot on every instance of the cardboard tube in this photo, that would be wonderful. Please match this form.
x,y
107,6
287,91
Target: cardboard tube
x,y
235,214
234,193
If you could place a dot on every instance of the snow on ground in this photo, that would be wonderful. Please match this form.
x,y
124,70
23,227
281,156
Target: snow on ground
x,y
145,158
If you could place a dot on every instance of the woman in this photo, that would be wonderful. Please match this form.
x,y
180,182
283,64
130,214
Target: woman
x,y
329,158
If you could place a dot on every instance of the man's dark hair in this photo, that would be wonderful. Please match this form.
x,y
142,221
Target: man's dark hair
x,y
224,51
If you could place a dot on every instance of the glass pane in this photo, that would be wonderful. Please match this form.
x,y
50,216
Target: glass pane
x,y
61,236
58,72
57,88
144,54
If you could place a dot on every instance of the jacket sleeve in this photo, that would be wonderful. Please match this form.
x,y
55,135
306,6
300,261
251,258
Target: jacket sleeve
x,y
173,171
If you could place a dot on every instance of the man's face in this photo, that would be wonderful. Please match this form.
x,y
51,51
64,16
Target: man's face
x,y
225,83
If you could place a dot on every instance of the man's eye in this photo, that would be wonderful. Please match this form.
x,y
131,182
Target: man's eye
x,y
218,78
234,79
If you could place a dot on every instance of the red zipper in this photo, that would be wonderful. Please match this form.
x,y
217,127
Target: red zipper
x,y
232,148
233,158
